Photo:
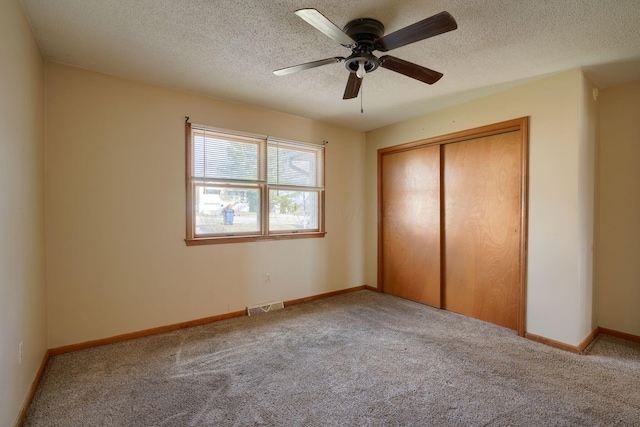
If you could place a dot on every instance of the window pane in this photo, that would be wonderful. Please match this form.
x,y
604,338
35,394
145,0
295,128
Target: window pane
x,y
292,165
225,157
293,210
226,210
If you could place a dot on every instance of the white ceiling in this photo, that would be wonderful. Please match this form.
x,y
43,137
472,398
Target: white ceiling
x,y
229,48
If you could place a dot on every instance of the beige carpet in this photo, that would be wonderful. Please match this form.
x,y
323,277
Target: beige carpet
x,y
359,359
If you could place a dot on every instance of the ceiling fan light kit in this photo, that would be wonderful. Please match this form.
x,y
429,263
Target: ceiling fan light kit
x,y
364,36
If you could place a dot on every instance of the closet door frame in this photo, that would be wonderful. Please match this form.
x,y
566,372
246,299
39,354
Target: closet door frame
x,y
520,124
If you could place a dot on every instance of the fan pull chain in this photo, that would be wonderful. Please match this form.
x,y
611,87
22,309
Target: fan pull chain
x,y
361,96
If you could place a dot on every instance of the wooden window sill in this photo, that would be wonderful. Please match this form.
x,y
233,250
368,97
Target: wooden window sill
x,y
197,241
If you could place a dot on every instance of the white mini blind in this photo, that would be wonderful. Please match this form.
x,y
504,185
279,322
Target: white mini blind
x,y
295,164
217,155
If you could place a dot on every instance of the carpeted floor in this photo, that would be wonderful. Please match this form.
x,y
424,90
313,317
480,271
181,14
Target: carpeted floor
x,y
358,359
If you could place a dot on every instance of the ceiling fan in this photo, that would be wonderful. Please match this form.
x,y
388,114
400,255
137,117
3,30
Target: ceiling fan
x,y
364,36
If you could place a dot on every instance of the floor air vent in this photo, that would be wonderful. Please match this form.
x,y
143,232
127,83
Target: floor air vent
x,y
264,308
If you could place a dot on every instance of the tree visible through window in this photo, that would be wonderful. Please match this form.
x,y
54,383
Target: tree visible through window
x,y
252,187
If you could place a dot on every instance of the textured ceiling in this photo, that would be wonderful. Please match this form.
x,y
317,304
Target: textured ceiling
x,y
229,48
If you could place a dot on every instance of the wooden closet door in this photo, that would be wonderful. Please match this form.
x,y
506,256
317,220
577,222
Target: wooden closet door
x,y
481,195
410,231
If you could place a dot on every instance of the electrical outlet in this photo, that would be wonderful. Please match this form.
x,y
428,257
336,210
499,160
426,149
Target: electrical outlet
x,y
267,278
20,352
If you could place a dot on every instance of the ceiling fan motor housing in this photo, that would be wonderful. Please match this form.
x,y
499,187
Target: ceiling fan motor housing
x,y
365,31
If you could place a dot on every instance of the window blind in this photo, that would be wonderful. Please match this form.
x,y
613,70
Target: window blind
x,y
295,164
218,155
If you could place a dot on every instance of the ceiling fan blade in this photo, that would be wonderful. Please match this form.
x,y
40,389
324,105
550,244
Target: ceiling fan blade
x,y
353,86
328,28
410,69
307,65
437,24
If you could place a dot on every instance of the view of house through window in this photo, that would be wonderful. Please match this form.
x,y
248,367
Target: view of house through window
x,y
226,210
251,186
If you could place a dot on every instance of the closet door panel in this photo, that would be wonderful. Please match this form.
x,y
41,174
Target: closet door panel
x,y
410,240
481,214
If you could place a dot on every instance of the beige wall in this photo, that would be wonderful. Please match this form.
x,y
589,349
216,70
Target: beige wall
x,y
22,274
619,193
589,135
116,256
558,174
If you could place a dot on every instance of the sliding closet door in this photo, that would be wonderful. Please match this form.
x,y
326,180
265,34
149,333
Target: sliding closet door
x,y
482,216
410,224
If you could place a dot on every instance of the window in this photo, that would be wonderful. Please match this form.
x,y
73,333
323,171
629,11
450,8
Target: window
x,y
247,187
